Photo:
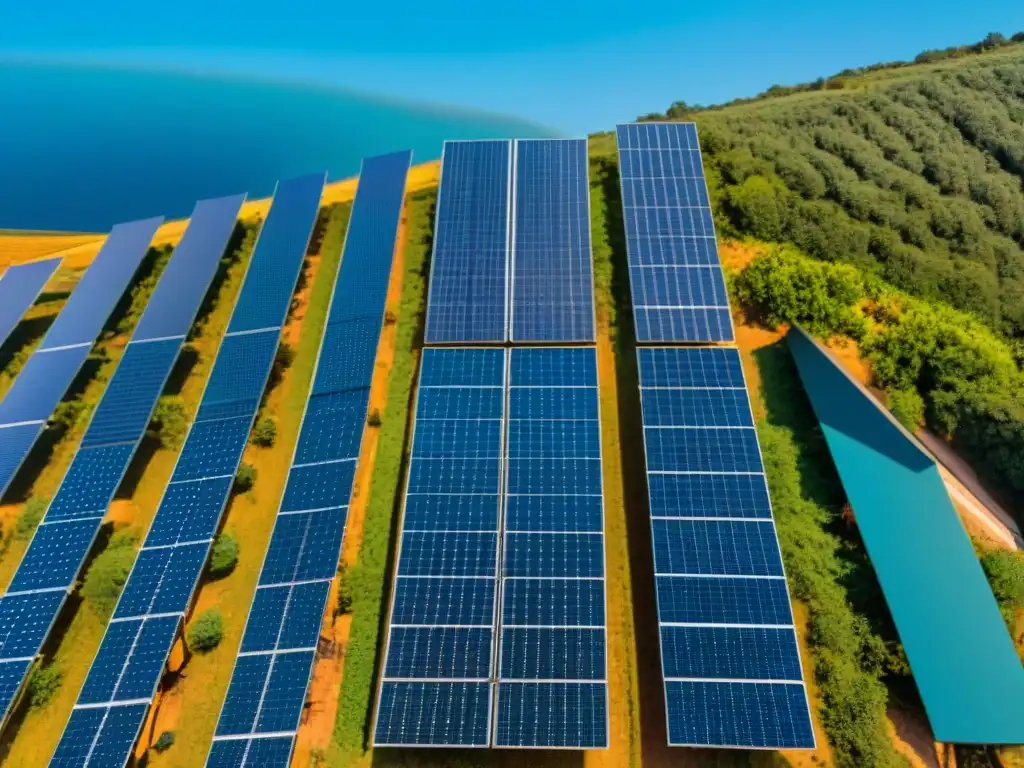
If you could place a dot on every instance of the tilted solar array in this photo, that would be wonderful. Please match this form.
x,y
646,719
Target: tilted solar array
x,y
438,667
728,644
552,689
49,570
51,369
261,713
126,671
552,282
512,244
675,274
19,288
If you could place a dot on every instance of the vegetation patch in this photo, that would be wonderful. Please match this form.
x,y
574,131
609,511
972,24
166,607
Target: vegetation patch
x,y
205,633
43,684
170,422
30,517
245,479
224,556
265,432
108,573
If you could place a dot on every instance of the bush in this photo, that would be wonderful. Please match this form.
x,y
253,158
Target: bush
x,y
170,421
1005,571
205,633
67,414
389,317
344,604
165,742
108,573
246,477
285,356
43,684
374,419
30,517
908,408
224,557
265,432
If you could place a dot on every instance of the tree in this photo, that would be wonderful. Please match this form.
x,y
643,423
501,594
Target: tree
x,y
205,633
344,589
170,421
109,572
265,432
43,685
246,477
908,408
30,517
224,557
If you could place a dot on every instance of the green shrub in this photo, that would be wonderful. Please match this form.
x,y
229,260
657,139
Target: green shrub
x,y
205,633
165,742
344,604
908,408
43,684
68,413
224,557
170,421
265,432
1005,571
108,573
285,356
246,477
373,419
29,518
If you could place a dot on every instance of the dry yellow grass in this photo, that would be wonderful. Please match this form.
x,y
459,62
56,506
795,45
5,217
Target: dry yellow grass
x,y
79,250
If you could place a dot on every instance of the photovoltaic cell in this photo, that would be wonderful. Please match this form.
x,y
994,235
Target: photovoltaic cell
x,y
675,275
69,527
553,638
268,684
160,585
438,663
20,286
469,268
729,652
552,284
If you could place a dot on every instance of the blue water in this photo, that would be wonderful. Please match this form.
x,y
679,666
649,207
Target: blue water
x,y
84,148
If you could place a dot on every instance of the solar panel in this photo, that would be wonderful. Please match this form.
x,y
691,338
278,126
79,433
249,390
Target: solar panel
x,y
19,288
160,585
50,370
728,644
552,284
59,546
552,622
675,275
469,268
436,688
274,664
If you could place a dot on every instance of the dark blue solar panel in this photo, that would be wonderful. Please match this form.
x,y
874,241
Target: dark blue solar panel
x,y
433,714
213,449
730,653
19,288
53,557
131,396
552,653
554,367
278,254
462,368
702,450
97,293
281,707
161,580
333,426
709,495
464,512
468,270
553,602
41,385
286,617
318,486
553,439
447,554
15,443
239,375
76,742
669,230
443,601
436,439
703,600
346,360
552,285
479,403
697,408
304,546
554,476
118,735
12,674
242,704
554,513
572,715
455,476
716,547
191,270
734,714
552,403
554,555
24,621
692,367
256,752
106,668
90,482
439,652
189,512
146,661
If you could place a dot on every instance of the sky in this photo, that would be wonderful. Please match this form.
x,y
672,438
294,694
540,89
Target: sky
x,y
576,67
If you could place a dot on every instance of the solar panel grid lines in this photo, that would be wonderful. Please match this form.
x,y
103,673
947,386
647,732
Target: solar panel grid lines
x,y
20,286
730,655
71,522
161,583
676,278
276,657
467,295
436,688
551,293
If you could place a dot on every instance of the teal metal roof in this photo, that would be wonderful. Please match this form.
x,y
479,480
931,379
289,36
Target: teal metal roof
x,y
966,668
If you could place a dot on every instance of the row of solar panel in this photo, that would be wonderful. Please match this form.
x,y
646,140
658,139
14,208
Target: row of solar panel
x,y
127,669
675,275
728,644
268,685
59,546
511,254
461,555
